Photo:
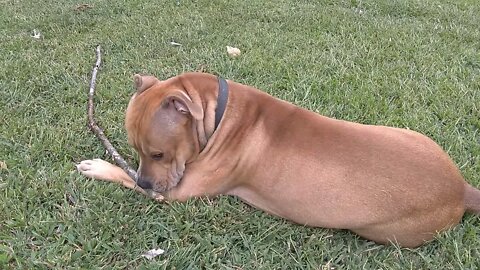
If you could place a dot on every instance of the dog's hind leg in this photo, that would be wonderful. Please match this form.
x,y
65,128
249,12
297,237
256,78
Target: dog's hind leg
x,y
472,199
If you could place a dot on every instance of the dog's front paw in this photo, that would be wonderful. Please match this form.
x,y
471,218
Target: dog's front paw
x,y
98,169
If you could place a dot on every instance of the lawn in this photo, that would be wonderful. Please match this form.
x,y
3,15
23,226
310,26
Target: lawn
x,y
411,64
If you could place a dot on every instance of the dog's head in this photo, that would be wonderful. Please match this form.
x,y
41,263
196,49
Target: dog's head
x,y
160,122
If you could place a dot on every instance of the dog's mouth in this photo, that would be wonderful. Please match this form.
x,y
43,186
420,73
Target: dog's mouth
x,y
158,196
160,193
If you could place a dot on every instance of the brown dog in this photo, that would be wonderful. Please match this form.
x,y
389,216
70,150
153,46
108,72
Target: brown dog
x,y
385,184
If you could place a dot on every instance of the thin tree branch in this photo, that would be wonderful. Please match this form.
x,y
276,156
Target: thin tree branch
x,y
97,130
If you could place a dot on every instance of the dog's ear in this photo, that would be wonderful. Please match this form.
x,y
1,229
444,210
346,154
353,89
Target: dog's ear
x,y
142,83
183,104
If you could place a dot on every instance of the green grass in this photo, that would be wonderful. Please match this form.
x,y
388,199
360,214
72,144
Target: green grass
x,y
412,64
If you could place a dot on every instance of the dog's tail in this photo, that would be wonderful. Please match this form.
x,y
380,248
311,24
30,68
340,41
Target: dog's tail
x,y
472,199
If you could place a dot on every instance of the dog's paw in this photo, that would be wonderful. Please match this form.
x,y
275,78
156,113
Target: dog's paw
x,y
97,168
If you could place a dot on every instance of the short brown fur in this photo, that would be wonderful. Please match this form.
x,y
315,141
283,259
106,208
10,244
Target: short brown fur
x,y
386,184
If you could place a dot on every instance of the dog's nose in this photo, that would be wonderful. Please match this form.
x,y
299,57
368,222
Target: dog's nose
x,y
144,183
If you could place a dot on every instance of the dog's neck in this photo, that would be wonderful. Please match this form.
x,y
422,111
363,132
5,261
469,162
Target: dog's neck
x,y
213,100
220,107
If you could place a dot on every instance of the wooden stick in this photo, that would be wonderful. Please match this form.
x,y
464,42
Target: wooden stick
x,y
92,124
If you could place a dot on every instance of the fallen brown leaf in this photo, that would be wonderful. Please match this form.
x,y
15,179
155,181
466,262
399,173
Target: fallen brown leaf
x,y
83,7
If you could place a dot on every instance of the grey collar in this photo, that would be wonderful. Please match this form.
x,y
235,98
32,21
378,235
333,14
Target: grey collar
x,y
222,99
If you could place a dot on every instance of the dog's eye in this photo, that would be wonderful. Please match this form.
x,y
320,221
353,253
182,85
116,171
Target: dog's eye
x,y
157,156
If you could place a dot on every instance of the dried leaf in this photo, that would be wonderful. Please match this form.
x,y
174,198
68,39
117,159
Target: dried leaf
x,y
36,34
233,52
83,7
153,253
